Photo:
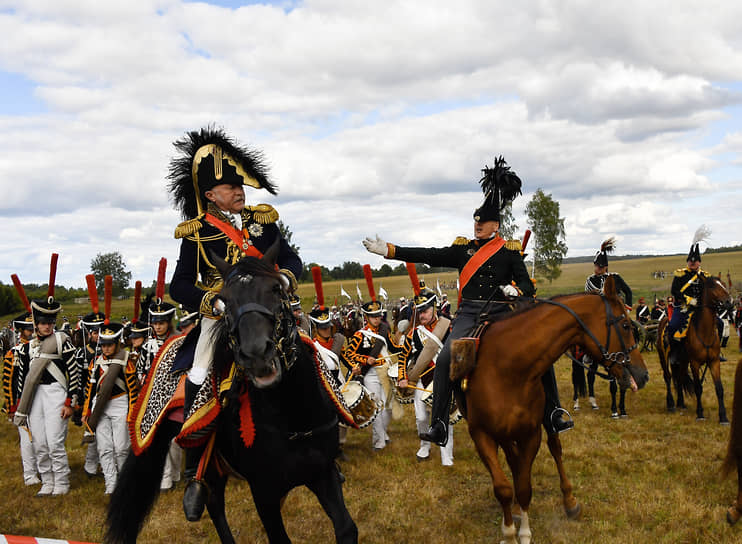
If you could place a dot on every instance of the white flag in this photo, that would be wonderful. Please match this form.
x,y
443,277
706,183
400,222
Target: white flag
x,y
358,290
438,287
382,293
343,293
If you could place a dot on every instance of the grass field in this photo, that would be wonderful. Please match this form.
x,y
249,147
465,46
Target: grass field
x,y
652,477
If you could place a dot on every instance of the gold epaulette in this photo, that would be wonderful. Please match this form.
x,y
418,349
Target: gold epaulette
x,y
263,213
679,272
513,245
186,228
460,241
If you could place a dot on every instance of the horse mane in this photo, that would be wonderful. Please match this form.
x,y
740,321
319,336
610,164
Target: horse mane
x,y
254,267
531,304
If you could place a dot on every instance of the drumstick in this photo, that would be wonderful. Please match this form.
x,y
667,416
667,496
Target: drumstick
x,y
418,388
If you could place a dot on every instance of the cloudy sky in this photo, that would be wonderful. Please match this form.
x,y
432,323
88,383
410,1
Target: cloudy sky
x,y
376,117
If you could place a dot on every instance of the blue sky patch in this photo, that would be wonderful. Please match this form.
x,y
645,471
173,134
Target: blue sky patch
x,y
17,95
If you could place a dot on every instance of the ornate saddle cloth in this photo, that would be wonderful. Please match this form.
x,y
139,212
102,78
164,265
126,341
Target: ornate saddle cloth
x,y
464,353
162,397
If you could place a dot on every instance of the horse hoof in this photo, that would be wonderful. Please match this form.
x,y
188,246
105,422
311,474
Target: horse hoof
x,y
732,515
724,422
574,513
700,418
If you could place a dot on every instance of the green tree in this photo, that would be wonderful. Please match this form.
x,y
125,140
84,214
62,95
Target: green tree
x,y
10,302
287,234
548,231
110,264
508,227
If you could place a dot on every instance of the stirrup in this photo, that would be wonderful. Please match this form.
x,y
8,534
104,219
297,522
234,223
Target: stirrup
x,y
558,424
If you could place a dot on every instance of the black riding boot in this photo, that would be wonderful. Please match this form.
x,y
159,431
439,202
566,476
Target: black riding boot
x,y
196,492
438,430
553,412
673,357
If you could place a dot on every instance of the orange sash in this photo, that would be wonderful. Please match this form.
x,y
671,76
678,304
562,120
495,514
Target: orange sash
x,y
477,260
239,238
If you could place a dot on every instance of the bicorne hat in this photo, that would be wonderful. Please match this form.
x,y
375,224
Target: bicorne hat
x,y
701,234
601,257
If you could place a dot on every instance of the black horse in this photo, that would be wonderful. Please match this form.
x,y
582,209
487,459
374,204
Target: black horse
x,y
296,425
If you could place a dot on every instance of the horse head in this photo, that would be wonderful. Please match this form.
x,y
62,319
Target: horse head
x,y
621,353
715,296
258,323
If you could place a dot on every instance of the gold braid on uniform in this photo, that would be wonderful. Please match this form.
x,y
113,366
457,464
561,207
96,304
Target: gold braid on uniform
x,y
207,307
187,228
513,245
263,213
293,284
460,241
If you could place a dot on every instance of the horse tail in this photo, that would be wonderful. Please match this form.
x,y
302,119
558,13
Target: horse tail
x,y
734,448
683,379
137,488
578,380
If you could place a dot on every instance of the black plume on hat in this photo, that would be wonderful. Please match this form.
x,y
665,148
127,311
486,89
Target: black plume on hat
x,y
208,157
500,186
601,257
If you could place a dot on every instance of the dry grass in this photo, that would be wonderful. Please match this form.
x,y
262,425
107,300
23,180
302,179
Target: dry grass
x,y
652,477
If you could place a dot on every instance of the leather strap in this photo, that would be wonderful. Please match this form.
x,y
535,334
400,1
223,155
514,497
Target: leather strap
x,y
477,260
239,238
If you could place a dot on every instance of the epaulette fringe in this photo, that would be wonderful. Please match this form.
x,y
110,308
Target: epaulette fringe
x,y
513,245
679,272
264,213
460,241
186,228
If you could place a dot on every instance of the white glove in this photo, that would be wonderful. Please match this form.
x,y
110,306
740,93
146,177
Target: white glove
x,y
218,306
377,246
691,301
509,291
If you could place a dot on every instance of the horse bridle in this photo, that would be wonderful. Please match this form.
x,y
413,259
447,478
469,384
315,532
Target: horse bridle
x,y
284,324
610,359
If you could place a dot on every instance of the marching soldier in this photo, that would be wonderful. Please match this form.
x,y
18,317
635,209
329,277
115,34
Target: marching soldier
x,y
686,290
445,309
188,320
417,361
659,311
50,378
85,357
642,311
207,184
112,390
301,319
12,387
488,268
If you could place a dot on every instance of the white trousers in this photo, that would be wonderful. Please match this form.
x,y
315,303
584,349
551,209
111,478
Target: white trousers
x,y
112,439
422,416
49,432
204,352
28,457
91,458
173,465
379,436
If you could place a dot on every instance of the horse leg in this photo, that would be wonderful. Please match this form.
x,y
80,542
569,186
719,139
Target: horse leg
x,y
662,356
613,389
487,450
698,387
329,491
572,508
521,464
215,506
734,512
269,510
622,403
716,375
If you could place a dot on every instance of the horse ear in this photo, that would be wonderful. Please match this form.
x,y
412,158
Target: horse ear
x,y
609,287
271,254
221,265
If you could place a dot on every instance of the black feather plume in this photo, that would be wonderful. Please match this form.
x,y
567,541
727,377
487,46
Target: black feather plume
x,y
500,184
180,177
608,246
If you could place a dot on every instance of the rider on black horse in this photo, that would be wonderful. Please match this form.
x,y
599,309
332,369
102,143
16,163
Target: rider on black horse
x,y
207,184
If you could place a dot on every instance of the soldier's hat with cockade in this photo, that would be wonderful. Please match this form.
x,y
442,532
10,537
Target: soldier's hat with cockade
x,y
110,333
701,234
23,321
500,186
295,302
207,158
601,257
425,299
187,317
320,315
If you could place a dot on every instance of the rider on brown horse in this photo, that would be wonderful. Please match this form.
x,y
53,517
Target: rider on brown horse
x,y
492,275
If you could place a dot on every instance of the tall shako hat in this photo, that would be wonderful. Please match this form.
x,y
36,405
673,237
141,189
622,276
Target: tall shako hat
x,y
159,310
109,333
138,328
45,311
25,319
187,317
601,257
371,308
500,186
702,233
207,158
295,301
95,318
320,315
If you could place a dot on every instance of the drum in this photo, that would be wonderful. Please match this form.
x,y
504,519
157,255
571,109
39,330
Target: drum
x,y
361,404
405,396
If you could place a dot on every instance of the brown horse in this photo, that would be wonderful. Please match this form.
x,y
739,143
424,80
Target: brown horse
x,y
734,449
701,346
505,398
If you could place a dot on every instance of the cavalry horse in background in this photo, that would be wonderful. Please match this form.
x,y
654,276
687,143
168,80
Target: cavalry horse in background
x,y
701,347
505,398
294,423
733,458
